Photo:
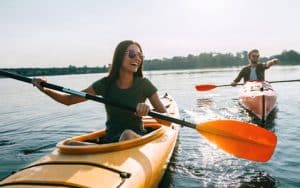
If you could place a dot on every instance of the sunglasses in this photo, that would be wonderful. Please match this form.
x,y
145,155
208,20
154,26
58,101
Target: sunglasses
x,y
132,54
254,55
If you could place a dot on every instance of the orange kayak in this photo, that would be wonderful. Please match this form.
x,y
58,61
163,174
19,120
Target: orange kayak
x,y
259,98
139,162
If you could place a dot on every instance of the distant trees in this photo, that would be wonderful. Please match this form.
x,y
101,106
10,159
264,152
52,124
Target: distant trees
x,y
215,60
57,71
203,60
290,57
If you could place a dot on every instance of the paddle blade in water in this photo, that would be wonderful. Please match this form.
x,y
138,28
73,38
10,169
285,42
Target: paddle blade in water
x,y
205,87
241,139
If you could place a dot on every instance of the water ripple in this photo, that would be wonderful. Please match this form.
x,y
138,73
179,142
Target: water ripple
x,y
31,125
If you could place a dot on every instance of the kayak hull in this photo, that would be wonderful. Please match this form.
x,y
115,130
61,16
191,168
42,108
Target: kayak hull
x,y
259,98
138,162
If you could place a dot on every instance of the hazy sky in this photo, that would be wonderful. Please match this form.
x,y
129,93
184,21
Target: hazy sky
x,y
57,33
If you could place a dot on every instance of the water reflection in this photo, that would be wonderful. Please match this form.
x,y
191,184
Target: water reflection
x,y
269,123
195,162
205,102
38,149
168,178
256,179
6,142
211,166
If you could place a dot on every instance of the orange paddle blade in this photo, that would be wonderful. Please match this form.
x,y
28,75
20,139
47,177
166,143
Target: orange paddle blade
x,y
241,139
205,87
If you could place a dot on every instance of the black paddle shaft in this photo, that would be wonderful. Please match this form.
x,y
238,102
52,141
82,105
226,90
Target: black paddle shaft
x,y
96,98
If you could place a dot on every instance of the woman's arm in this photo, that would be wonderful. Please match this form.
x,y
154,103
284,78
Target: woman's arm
x,y
157,104
159,107
142,109
60,97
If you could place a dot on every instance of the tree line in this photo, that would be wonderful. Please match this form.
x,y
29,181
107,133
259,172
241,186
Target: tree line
x,y
216,60
57,70
203,60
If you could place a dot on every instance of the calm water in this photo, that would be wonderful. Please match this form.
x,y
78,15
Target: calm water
x,y
31,125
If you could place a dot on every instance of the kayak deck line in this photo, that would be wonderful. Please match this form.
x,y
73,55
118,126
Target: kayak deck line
x,y
37,183
121,173
263,115
47,184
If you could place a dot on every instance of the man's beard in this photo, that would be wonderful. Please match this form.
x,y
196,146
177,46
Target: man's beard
x,y
253,62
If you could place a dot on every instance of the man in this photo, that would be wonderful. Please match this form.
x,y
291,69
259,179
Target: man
x,y
255,70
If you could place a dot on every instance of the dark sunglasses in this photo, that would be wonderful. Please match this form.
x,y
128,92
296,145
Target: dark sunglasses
x,y
254,55
132,54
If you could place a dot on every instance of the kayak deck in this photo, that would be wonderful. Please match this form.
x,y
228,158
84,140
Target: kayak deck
x,y
259,98
138,162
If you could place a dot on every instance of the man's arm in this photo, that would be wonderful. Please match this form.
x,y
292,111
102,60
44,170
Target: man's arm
x,y
238,78
272,62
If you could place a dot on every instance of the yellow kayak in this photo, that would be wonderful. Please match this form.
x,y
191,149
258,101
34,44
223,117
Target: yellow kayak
x,y
139,162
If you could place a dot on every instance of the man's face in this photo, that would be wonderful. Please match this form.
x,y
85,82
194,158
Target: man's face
x,y
254,57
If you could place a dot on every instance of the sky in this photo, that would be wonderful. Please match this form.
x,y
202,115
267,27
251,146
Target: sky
x,y
59,33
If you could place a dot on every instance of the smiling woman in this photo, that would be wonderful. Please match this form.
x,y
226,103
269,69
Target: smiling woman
x,y
125,85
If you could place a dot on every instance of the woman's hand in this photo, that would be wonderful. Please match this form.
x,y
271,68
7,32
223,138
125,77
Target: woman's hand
x,y
36,82
142,109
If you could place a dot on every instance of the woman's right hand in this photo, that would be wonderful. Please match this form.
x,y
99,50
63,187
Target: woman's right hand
x,y
36,82
142,109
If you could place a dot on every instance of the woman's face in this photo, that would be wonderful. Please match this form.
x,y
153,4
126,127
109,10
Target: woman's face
x,y
132,59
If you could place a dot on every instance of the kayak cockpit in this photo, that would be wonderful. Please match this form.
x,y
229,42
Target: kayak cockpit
x,y
83,145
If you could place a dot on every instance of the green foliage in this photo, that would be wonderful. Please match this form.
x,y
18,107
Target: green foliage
x,y
215,60
57,71
291,57
203,60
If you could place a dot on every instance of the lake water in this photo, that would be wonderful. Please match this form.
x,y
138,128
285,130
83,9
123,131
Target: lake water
x,y
31,125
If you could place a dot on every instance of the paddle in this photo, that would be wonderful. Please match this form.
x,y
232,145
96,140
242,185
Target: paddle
x,y
241,139
207,87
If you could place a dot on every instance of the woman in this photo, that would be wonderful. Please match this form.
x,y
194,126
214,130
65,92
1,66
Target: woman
x,y
125,85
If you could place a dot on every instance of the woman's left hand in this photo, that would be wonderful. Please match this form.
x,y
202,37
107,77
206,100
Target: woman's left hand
x,y
142,109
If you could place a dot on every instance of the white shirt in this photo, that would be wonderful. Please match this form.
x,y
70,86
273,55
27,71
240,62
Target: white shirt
x,y
253,75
